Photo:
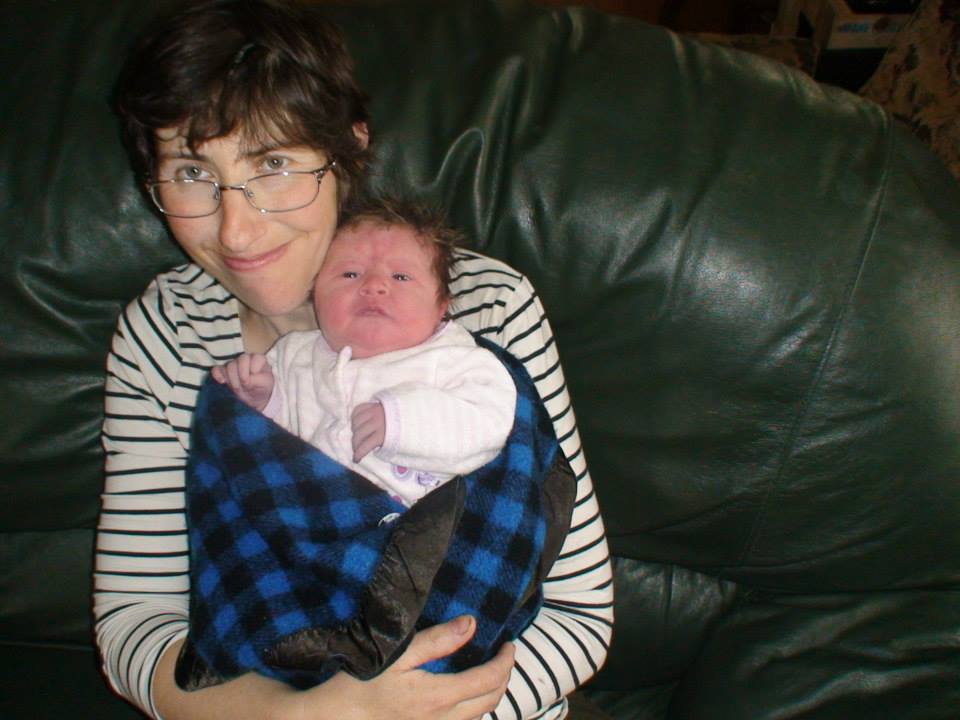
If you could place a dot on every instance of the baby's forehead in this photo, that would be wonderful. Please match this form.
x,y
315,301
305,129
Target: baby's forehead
x,y
375,235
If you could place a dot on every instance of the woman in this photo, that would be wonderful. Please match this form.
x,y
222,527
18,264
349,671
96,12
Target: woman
x,y
248,127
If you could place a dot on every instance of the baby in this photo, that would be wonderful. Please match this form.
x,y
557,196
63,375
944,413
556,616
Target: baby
x,y
300,566
388,387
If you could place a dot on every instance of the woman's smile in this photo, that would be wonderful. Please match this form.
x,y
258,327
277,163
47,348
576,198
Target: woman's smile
x,y
268,260
254,262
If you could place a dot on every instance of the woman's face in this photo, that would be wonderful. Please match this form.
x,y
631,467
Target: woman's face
x,y
268,260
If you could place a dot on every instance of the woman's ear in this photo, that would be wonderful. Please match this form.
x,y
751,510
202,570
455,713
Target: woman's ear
x,y
362,133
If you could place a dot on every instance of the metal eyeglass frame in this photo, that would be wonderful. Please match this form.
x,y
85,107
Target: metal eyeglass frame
x,y
218,190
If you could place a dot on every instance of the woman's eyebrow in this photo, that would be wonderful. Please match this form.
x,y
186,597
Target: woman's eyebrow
x,y
182,154
255,153
261,150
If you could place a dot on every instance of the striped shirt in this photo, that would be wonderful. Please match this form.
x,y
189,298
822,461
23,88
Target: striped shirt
x,y
166,341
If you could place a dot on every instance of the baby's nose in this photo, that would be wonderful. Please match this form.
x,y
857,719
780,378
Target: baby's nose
x,y
374,285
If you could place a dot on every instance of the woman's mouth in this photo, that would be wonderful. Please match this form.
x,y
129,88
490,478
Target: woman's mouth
x,y
253,262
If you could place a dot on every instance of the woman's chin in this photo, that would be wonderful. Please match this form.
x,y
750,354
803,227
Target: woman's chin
x,y
277,308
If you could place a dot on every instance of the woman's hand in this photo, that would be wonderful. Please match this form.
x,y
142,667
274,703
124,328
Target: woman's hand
x,y
403,691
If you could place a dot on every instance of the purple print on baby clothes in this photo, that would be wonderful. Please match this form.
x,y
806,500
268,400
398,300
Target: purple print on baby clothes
x,y
424,479
427,480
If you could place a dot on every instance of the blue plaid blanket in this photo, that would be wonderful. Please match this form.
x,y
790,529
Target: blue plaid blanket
x,y
301,568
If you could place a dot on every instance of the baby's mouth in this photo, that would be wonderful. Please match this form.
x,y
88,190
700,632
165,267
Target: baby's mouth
x,y
371,311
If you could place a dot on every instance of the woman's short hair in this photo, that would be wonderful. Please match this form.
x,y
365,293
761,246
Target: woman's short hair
x,y
272,71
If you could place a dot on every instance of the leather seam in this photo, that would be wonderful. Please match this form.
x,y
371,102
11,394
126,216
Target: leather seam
x,y
787,452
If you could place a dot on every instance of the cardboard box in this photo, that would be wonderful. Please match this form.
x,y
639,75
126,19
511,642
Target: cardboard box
x,y
835,26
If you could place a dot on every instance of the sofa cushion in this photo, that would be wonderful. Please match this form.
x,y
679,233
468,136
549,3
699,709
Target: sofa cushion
x,y
870,655
57,681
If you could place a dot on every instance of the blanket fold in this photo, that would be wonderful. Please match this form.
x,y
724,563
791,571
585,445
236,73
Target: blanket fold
x,y
301,568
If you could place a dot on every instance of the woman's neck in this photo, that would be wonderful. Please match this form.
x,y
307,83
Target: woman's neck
x,y
260,332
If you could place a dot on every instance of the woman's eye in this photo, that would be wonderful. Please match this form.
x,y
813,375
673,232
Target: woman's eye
x,y
274,164
402,277
190,172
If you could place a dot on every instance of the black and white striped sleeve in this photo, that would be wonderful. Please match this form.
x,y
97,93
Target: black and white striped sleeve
x,y
141,582
568,640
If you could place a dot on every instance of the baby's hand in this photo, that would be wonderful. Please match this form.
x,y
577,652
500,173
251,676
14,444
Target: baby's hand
x,y
249,376
369,426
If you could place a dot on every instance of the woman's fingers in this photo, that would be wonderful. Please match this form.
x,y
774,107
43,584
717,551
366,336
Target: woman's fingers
x,y
490,683
437,642
403,692
471,693
464,695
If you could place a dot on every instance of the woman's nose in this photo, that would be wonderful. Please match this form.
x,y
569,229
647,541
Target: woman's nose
x,y
238,220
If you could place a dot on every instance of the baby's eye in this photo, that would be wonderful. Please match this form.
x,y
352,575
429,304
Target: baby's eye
x,y
350,274
402,277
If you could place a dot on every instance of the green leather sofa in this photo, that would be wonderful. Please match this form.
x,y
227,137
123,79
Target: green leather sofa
x,y
754,282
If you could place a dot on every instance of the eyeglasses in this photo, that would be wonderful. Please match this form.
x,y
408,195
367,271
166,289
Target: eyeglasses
x,y
270,193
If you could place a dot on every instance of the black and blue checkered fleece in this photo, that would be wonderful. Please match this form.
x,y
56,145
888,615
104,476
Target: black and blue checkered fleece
x,y
301,568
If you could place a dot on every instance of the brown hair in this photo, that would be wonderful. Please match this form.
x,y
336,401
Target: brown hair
x,y
272,72
426,221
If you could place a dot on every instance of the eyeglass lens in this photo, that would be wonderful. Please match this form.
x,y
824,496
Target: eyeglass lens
x,y
279,192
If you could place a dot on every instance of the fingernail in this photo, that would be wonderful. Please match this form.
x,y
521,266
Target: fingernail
x,y
461,626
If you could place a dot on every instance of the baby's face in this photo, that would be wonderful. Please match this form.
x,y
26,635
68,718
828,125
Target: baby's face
x,y
377,290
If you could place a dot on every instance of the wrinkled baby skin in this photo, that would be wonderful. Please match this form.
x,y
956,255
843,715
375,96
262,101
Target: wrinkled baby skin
x,y
377,290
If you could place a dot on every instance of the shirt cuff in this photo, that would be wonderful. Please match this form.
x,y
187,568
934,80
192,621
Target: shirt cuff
x,y
274,406
391,428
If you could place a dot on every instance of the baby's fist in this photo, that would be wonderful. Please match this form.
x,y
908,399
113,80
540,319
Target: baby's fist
x,y
249,375
369,424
